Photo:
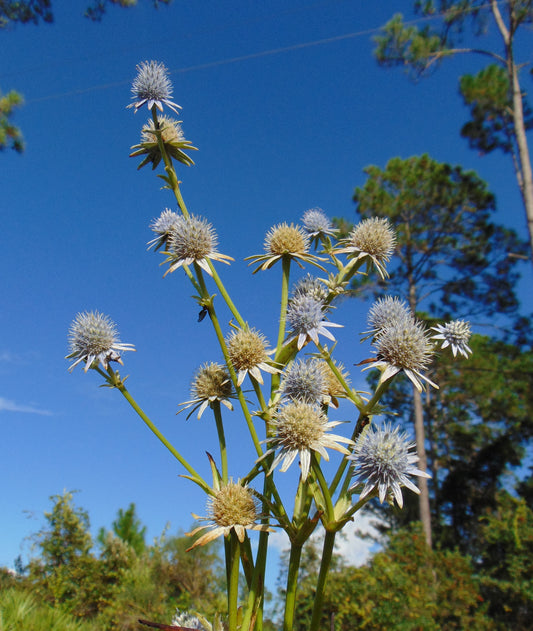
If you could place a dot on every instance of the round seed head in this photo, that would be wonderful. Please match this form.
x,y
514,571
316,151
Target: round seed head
x,y
285,239
212,381
192,238
170,131
387,311
300,426
310,286
247,348
405,344
317,223
305,381
233,505
334,388
374,236
383,460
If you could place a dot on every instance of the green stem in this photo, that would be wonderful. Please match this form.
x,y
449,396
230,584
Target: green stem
x,y
292,584
233,585
225,295
196,476
353,396
327,553
169,168
221,440
330,511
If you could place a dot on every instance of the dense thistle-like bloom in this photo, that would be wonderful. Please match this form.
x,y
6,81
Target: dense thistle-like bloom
x,y
284,240
211,383
317,224
248,352
188,621
152,86
384,312
382,460
310,286
300,429
233,507
173,140
404,345
305,315
192,240
93,339
305,381
162,227
455,334
373,239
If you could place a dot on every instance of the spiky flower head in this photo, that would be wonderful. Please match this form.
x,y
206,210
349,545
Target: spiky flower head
x,y
172,137
455,334
404,345
382,460
152,86
384,312
162,227
284,240
188,620
373,239
310,286
305,381
93,339
193,240
232,507
300,429
317,224
211,383
305,316
249,353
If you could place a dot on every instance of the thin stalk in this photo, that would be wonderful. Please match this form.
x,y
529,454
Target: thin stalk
x,y
221,440
327,553
292,584
330,511
286,267
124,391
233,585
355,398
169,168
225,295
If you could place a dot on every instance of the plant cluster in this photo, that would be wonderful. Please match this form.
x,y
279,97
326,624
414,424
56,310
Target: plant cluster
x,y
296,383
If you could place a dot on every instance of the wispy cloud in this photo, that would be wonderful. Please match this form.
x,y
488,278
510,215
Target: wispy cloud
x,y
6,405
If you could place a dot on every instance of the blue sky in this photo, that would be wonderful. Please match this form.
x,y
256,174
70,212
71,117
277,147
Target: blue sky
x,y
286,112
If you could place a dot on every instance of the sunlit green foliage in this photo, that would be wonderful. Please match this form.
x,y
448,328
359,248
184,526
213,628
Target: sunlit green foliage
x,y
10,135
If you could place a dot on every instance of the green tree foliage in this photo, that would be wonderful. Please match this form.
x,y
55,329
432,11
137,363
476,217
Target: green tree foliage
x,y
128,528
443,214
500,115
507,561
10,135
406,587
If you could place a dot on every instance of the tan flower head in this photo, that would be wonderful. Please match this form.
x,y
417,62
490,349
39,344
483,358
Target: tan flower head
x,y
285,241
233,507
300,429
211,383
192,240
373,239
248,352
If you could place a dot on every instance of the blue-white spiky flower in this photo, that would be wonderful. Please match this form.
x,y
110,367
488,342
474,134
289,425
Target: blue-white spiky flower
x,y
300,429
310,286
93,339
384,312
306,317
317,224
305,381
383,461
455,334
162,227
152,87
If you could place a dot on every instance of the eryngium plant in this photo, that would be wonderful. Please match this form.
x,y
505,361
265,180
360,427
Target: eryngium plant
x,y
288,421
